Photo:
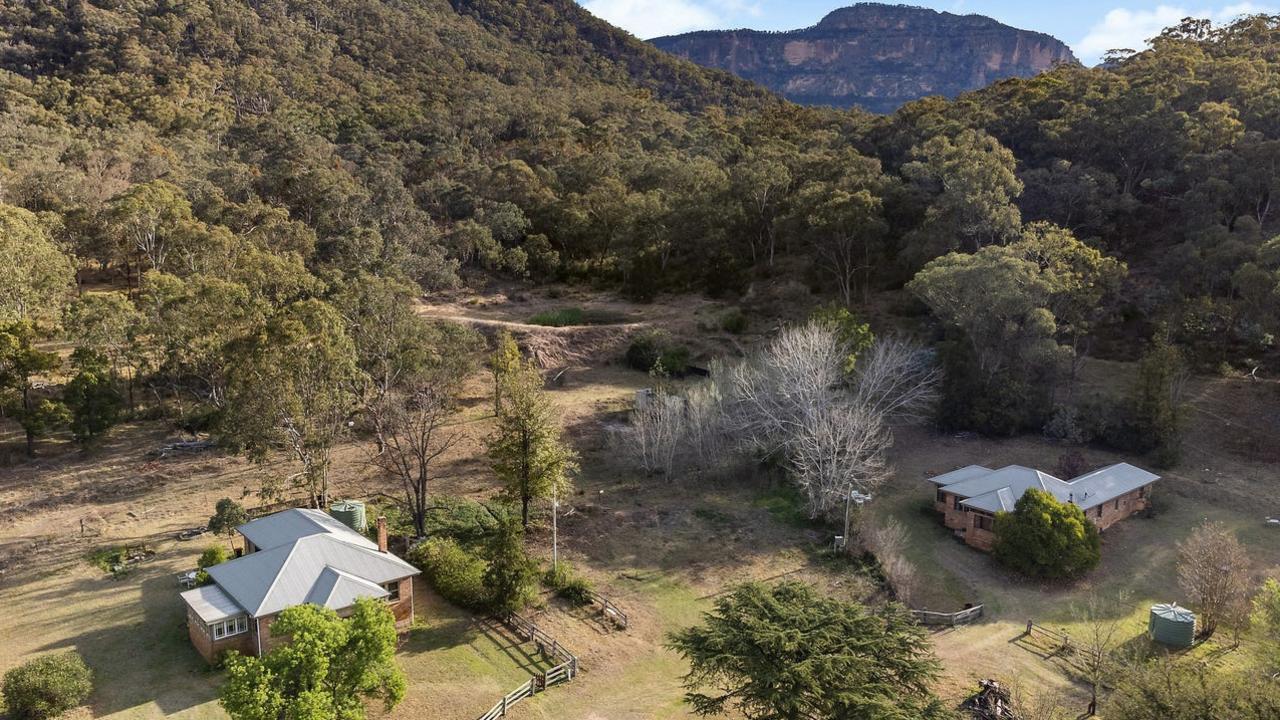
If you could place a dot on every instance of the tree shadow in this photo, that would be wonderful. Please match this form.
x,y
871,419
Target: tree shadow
x,y
146,657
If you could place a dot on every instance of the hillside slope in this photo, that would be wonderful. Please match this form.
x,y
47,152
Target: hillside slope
x,y
875,56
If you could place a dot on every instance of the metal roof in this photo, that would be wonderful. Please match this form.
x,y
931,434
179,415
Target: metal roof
x,y
1174,612
1099,486
999,490
269,581
211,603
285,527
337,590
964,473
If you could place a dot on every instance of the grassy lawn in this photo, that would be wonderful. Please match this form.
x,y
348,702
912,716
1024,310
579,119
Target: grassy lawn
x,y
661,549
1139,557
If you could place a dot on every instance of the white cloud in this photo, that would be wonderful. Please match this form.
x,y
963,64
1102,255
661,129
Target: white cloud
x,y
1124,28
651,18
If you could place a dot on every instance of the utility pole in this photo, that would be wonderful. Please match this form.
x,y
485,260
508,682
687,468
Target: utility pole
x,y
855,497
555,530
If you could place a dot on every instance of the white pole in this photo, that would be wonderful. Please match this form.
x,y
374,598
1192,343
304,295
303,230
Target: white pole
x,y
847,498
555,530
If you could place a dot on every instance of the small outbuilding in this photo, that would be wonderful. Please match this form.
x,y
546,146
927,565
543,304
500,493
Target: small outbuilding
x,y
1172,625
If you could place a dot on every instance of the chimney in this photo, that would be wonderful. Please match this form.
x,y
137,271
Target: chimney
x,y
382,533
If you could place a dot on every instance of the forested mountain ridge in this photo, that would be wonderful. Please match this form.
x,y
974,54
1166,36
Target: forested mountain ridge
x,y
221,158
875,56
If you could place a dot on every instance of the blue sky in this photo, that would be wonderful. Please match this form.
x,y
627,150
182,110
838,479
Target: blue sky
x,y
1090,27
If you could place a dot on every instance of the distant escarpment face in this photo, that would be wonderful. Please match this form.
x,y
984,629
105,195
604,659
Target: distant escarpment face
x,y
875,56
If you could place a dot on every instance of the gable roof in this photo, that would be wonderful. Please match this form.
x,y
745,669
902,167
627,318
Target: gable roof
x,y
1112,481
964,473
310,560
287,526
999,490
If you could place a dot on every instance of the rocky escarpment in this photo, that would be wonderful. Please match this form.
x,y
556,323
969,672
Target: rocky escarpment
x,y
875,56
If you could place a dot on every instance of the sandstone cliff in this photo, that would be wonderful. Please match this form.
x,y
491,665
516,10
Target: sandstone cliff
x,y
875,56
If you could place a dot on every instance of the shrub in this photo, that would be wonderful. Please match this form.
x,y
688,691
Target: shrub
x,y
674,360
1044,538
646,349
734,321
544,261
109,559
887,542
455,573
510,578
47,687
227,516
561,317
212,555
465,521
1068,424
568,584
1071,464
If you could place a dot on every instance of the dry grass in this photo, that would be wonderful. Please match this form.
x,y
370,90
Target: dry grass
x,y
660,550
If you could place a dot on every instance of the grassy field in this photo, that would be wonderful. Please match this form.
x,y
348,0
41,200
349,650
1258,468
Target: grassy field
x,y
661,550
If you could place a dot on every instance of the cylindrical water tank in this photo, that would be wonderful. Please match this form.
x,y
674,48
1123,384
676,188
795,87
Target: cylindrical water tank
x,y
350,513
1172,625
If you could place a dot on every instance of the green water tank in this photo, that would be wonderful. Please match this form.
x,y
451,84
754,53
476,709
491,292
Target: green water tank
x,y
350,513
1172,625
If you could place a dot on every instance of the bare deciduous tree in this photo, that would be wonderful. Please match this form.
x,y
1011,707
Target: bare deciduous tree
x,y
1213,569
896,378
657,430
840,448
794,398
1103,619
411,434
887,540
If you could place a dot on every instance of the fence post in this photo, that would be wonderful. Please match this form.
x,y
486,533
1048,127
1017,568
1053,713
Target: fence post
x,y
504,706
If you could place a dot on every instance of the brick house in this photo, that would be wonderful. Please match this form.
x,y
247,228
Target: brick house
x,y
970,497
292,558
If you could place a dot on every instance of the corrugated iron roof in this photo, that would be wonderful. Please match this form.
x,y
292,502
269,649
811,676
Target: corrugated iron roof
x,y
337,590
1108,483
999,490
211,603
964,473
269,581
287,526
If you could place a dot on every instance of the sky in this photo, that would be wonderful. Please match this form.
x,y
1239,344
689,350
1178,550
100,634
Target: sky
x,y
1090,27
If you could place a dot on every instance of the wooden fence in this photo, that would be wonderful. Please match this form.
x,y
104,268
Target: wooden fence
x,y
566,667
1058,638
928,617
611,611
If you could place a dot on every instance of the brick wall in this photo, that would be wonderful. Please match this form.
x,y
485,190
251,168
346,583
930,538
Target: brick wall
x,y
1112,511
210,649
403,608
956,518
1103,516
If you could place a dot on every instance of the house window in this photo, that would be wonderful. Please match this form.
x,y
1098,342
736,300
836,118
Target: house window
x,y
1099,511
1142,491
1117,503
229,627
393,590
942,497
983,522
955,502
